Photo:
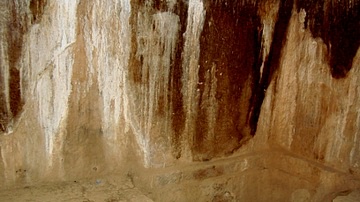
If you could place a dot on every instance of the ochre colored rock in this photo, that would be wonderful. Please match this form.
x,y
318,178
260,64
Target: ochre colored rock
x,y
197,100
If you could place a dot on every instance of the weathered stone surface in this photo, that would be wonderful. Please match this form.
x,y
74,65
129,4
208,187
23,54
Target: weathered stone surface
x,y
245,99
101,190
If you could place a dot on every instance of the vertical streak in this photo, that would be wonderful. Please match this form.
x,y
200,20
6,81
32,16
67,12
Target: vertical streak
x,y
13,27
154,41
271,63
54,80
195,23
210,103
175,88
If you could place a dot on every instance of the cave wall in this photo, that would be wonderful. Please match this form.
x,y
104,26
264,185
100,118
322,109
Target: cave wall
x,y
96,87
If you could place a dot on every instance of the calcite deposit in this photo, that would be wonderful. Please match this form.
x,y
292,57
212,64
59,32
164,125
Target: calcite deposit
x,y
190,100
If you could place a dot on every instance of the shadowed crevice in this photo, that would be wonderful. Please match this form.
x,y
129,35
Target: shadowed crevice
x,y
337,23
271,63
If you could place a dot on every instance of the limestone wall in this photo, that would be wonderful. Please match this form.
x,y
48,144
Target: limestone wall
x,y
92,88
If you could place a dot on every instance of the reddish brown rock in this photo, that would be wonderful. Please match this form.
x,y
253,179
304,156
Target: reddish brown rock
x,y
191,100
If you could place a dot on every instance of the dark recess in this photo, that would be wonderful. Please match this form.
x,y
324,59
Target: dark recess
x,y
178,115
37,9
15,92
230,40
271,63
134,64
338,25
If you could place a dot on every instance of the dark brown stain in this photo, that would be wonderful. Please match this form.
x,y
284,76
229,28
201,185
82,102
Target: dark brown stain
x,y
338,25
16,31
37,9
135,64
138,77
160,5
271,63
155,5
213,171
176,98
16,28
230,41
15,92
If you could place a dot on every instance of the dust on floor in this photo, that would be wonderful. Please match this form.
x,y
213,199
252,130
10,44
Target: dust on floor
x,y
97,190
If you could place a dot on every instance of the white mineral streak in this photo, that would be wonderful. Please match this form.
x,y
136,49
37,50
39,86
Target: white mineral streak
x,y
210,103
268,22
156,41
50,47
304,104
107,36
4,72
190,66
309,105
167,27
287,89
354,102
343,149
171,4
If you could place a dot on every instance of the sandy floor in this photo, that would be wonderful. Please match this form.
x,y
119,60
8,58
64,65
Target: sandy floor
x,y
351,197
89,191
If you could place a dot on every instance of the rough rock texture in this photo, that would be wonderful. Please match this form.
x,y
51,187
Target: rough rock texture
x,y
255,100
106,190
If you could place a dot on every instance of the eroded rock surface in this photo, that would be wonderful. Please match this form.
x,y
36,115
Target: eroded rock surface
x,y
151,87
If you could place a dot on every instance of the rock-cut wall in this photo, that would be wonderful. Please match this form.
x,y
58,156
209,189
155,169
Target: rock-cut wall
x,y
89,88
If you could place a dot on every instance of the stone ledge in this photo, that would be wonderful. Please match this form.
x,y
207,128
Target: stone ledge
x,y
288,174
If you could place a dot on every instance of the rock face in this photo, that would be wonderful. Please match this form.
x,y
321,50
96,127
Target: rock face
x,y
253,100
